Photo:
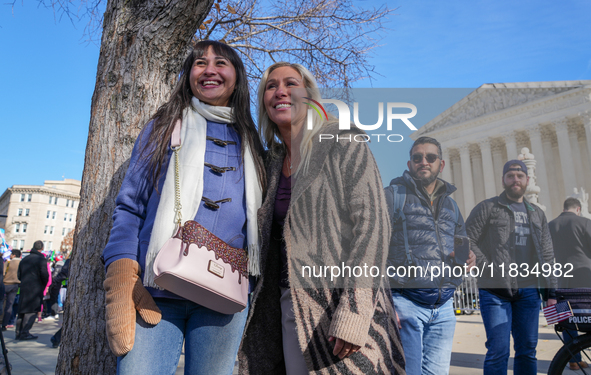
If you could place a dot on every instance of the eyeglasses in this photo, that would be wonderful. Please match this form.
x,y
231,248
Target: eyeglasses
x,y
214,204
219,170
431,158
220,142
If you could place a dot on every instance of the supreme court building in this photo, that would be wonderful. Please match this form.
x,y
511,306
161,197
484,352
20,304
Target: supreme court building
x,y
492,124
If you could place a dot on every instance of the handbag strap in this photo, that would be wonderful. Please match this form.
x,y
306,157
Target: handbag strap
x,y
175,145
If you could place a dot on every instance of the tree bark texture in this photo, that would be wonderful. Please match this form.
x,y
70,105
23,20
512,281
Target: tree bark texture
x,y
143,45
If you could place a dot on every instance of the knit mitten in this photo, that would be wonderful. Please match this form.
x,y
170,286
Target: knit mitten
x,y
125,294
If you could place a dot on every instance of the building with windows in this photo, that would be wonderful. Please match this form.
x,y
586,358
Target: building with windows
x,y
48,213
492,124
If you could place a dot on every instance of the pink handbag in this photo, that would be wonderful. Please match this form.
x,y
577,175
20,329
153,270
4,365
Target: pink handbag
x,y
197,265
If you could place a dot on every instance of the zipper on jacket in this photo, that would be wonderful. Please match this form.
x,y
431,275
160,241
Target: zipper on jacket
x,y
436,219
441,257
435,216
512,234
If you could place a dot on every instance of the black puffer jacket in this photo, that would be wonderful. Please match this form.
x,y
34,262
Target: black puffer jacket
x,y
431,232
491,228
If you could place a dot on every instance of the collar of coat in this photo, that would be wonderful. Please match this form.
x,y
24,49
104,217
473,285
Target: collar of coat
x,y
504,201
407,180
319,153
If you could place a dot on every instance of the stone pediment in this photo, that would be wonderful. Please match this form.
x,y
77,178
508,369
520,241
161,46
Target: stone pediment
x,y
496,97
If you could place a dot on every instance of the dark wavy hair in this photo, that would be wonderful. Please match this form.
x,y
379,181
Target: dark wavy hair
x,y
155,148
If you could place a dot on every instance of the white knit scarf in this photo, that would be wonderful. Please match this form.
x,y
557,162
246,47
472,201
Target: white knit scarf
x,y
191,159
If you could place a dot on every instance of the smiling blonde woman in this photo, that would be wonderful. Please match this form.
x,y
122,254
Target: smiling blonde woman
x,y
324,206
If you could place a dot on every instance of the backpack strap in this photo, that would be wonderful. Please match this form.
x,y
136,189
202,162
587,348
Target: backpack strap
x,y
396,197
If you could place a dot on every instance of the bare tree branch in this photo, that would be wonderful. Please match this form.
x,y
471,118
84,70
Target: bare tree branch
x,y
333,38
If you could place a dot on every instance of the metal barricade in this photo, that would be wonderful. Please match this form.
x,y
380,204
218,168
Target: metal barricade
x,y
466,297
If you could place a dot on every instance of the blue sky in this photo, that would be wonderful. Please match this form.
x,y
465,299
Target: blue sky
x,y
48,70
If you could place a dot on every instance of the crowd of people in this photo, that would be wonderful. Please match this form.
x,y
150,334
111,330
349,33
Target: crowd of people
x,y
279,200
31,288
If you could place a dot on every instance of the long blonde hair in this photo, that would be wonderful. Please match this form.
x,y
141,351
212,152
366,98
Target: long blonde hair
x,y
269,131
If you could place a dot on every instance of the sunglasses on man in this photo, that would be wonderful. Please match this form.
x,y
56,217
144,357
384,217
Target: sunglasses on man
x,y
418,158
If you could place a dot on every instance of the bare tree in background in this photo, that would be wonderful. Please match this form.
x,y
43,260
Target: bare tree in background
x,y
67,244
331,38
142,46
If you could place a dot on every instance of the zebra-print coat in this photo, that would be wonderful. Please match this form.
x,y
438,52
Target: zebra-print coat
x,y
337,215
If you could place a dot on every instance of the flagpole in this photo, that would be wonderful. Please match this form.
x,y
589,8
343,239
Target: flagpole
x,y
572,312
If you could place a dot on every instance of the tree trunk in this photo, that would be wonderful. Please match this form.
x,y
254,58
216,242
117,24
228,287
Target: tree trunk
x,y
143,45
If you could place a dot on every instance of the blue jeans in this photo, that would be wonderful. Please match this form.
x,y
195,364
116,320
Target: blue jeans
x,y
502,318
426,335
211,341
569,336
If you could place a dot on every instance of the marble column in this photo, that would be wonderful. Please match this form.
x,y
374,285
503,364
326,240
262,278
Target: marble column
x,y
487,169
467,183
576,161
511,144
587,125
535,137
498,162
586,146
457,177
446,175
564,150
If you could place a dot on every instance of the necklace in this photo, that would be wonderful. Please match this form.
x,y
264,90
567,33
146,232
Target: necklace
x,y
289,161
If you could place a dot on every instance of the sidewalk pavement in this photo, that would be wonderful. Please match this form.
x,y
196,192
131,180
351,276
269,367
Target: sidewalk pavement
x,y
33,356
468,350
37,357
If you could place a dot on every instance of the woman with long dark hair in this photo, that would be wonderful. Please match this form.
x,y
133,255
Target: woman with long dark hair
x,y
221,184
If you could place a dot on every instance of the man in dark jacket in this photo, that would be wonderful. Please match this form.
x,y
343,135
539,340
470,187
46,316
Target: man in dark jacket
x,y
33,274
11,283
512,243
571,237
423,301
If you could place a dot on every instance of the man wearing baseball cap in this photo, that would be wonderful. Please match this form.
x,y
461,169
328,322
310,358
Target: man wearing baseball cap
x,y
511,234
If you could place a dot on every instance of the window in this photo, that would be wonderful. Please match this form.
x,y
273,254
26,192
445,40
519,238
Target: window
x,y
27,212
50,245
72,204
50,200
22,197
70,217
19,212
67,203
55,200
22,244
48,213
17,228
15,244
63,231
51,230
29,197
44,244
65,217
25,228
45,231
54,213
